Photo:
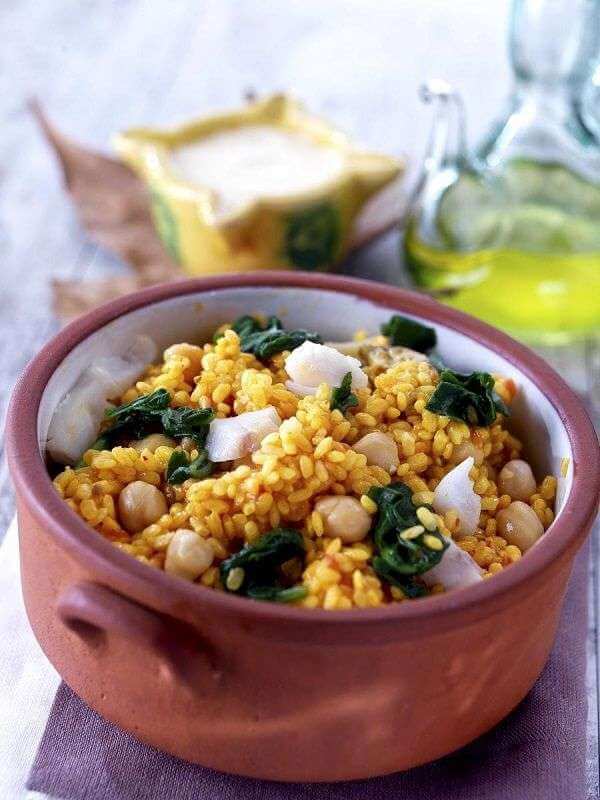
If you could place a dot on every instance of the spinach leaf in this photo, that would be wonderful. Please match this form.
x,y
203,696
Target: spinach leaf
x,y
342,398
274,595
405,332
146,404
188,422
265,342
138,418
177,467
408,584
180,468
470,398
397,560
135,420
184,421
246,325
151,414
256,570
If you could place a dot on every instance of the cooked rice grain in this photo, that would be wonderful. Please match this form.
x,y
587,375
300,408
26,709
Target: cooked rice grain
x,y
310,456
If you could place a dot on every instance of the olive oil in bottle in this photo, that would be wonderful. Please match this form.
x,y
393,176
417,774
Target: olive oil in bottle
x,y
512,234
531,266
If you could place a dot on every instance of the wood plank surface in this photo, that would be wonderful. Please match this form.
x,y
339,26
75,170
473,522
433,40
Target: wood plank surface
x,y
98,67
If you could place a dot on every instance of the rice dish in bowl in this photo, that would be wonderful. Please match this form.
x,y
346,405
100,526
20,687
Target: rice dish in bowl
x,y
268,463
252,679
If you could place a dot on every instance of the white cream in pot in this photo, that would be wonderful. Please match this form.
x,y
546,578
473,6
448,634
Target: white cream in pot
x,y
253,161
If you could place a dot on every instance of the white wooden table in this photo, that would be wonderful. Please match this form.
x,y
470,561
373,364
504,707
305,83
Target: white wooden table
x,y
100,65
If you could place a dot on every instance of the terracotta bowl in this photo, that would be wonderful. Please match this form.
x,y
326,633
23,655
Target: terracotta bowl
x,y
271,691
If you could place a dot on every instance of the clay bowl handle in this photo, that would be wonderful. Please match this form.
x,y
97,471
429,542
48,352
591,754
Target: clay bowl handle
x,y
94,613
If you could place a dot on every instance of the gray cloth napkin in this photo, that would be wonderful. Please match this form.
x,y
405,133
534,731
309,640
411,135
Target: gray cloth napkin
x,y
537,753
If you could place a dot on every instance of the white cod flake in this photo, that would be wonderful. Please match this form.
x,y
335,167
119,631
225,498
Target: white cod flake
x,y
311,364
234,437
455,493
76,421
456,569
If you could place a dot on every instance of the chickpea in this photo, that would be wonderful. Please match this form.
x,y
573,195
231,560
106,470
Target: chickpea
x,y
188,555
466,450
153,442
189,351
140,504
519,525
516,479
380,449
343,517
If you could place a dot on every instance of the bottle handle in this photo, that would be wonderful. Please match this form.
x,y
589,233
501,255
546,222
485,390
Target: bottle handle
x,y
448,137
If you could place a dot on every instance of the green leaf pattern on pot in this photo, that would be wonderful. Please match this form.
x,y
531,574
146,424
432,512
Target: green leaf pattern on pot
x,y
166,224
312,237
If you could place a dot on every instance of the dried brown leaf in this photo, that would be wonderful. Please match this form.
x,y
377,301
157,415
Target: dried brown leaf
x,y
72,298
114,208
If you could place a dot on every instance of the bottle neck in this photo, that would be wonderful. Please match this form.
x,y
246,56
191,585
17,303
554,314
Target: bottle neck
x,y
557,98
552,42
562,104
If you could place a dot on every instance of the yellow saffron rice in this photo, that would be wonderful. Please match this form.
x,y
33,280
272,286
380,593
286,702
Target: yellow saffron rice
x,y
311,455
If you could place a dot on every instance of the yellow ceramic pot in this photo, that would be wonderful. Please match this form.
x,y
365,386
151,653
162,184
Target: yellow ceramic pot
x,y
310,230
